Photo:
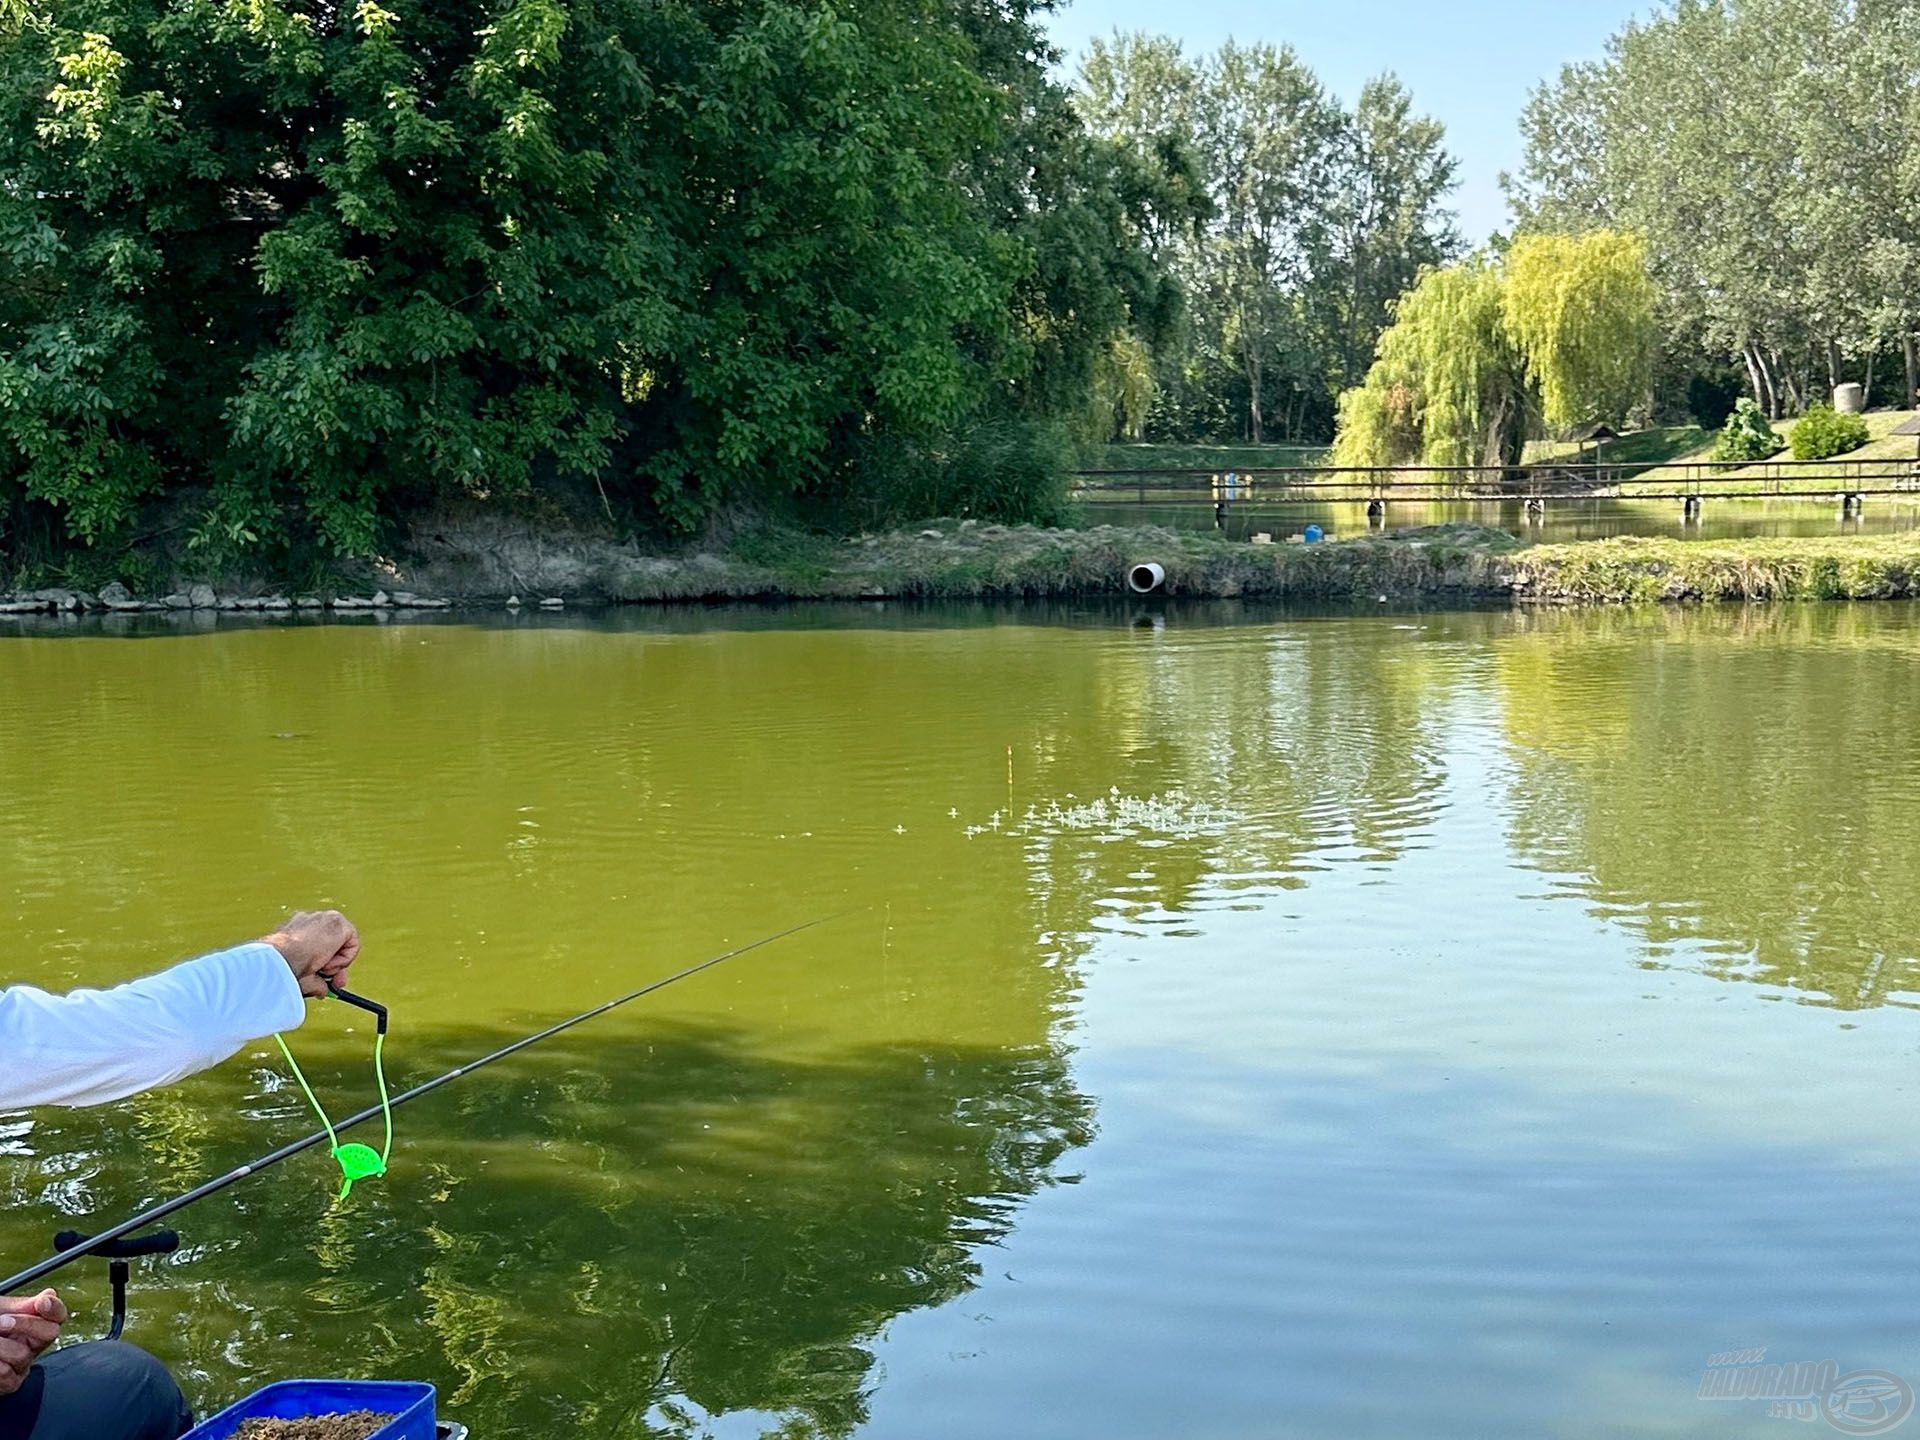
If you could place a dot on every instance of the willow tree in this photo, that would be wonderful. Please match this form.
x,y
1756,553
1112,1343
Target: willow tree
x,y
1560,330
1447,385
1123,390
1580,309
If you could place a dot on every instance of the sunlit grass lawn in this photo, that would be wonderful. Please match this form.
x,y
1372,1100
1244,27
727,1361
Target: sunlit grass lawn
x,y
1673,452
1881,448
1208,457
1640,447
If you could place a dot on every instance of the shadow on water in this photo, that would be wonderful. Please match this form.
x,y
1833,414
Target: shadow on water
x,y
1148,613
616,1233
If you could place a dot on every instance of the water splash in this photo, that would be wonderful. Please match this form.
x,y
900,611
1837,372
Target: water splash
x,y
1173,815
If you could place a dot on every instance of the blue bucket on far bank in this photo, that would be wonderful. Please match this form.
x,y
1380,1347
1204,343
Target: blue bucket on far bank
x,y
410,1402
1313,535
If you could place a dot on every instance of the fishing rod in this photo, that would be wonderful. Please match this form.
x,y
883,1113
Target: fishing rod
x,y
110,1242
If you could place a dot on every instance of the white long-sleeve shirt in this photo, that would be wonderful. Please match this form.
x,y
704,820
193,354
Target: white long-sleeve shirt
x,y
97,1045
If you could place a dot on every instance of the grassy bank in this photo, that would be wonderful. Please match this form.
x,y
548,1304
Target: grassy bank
x,y
1450,562
966,561
1657,446
1628,570
483,567
1675,452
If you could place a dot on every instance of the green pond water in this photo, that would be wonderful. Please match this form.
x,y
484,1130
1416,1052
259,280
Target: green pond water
x,y
1258,1024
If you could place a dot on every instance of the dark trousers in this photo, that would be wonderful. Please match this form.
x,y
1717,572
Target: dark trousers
x,y
101,1390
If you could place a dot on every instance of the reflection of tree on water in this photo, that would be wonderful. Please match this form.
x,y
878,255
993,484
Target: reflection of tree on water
x,y
1737,782
618,1235
1320,741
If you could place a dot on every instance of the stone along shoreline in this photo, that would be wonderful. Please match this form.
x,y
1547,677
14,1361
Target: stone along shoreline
x,y
969,561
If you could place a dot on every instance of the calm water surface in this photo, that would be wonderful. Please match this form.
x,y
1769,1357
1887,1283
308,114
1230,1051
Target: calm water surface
x,y
1440,1025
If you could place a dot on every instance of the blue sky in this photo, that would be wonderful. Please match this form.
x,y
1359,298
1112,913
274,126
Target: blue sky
x,y
1470,63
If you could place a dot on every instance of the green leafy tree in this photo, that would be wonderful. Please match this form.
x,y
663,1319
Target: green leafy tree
x,y
1385,220
1448,386
1097,217
305,268
1123,390
1560,326
1580,308
1317,218
1769,151
1379,423
1267,132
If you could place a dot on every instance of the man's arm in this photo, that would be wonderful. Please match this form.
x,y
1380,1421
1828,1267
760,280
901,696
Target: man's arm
x,y
97,1045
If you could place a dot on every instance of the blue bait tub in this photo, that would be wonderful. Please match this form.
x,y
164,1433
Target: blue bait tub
x,y
410,1403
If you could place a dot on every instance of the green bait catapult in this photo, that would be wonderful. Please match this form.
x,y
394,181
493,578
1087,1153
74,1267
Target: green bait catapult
x,y
357,1162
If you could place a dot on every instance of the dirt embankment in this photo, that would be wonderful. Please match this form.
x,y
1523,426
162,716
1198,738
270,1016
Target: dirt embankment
x,y
479,561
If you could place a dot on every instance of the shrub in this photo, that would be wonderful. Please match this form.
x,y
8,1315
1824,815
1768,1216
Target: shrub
x,y
1747,435
1009,471
1012,471
1823,431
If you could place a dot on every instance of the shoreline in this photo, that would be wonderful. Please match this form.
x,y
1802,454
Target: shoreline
x,y
464,570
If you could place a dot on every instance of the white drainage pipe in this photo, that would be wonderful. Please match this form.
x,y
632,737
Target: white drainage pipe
x,y
1145,578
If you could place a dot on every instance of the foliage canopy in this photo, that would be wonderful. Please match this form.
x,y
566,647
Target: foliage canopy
x,y
1562,328
1769,152
315,264
1315,218
1580,308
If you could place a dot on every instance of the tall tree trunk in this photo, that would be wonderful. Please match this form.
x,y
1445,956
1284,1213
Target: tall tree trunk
x,y
1866,382
1250,354
1505,439
1770,402
1785,388
1353,364
1911,354
1753,375
1833,366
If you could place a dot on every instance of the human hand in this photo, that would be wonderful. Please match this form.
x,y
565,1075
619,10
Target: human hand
x,y
318,946
28,1325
